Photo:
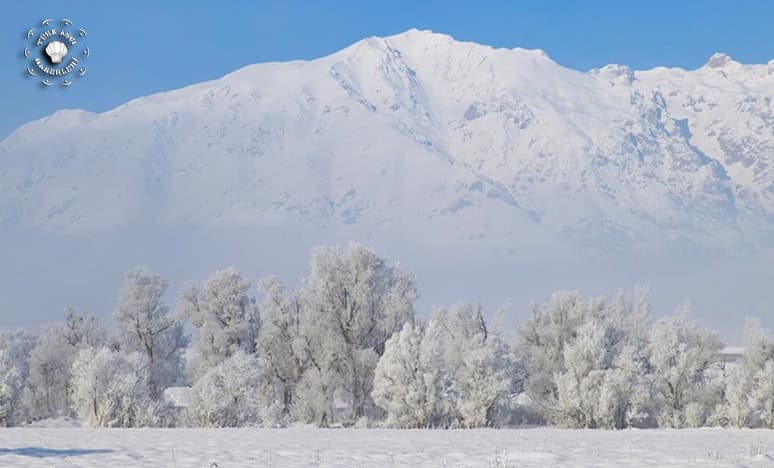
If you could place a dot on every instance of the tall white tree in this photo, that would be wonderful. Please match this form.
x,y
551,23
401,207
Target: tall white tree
x,y
225,316
48,386
408,381
626,396
579,386
439,373
541,341
477,363
10,384
603,385
748,396
586,360
680,354
277,343
736,382
15,349
146,326
763,394
351,303
228,395
110,389
733,405
452,371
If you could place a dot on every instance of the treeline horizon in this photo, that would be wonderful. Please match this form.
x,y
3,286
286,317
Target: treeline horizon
x,y
347,348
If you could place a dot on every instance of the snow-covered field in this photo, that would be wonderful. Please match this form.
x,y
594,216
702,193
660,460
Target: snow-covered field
x,y
227,448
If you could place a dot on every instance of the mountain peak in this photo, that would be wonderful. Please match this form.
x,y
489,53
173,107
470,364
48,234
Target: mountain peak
x,y
719,60
614,72
426,36
415,33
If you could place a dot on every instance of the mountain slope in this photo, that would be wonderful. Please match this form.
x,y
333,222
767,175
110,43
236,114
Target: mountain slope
x,y
430,148
416,132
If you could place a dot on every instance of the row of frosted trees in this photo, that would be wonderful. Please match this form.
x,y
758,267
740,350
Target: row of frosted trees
x,y
346,348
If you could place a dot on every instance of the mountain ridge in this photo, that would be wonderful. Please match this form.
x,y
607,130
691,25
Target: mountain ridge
x,y
509,124
486,170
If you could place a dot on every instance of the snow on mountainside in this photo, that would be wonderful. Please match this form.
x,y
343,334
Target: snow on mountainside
x,y
418,136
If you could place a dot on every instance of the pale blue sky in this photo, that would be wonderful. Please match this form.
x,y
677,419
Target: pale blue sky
x,y
141,47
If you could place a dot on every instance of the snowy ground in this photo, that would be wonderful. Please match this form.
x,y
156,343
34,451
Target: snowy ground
x,y
227,448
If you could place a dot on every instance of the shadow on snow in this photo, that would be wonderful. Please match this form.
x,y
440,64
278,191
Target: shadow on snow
x,y
39,452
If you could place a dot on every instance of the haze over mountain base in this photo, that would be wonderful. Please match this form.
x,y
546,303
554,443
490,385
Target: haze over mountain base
x,y
87,272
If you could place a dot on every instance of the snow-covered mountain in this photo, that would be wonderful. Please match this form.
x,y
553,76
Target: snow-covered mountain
x,y
422,141
419,131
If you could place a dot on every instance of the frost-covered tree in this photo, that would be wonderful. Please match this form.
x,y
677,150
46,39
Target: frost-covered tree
x,y
10,384
601,387
483,381
626,396
578,387
228,395
146,326
749,389
314,397
48,386
732,403
408,382
542,339
586,360
680,355
478,365
110,389
439,372
351,303
226,319
727,400
763,394
451,371
277,343
15,349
